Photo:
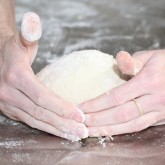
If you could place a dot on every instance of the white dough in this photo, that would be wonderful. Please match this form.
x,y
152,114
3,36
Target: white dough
x,y
81,75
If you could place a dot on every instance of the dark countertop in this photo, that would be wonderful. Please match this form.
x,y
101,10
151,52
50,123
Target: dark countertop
x,y
109,26
21,145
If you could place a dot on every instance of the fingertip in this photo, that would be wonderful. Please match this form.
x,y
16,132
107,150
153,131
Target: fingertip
x,y
123,56
125,63
31,29
71,137
81,131
121,53
79,116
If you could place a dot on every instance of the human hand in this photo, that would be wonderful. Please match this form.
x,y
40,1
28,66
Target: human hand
x,y
116,112
23,97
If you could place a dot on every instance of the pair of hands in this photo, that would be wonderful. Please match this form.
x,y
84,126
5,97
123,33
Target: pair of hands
x,y
24,98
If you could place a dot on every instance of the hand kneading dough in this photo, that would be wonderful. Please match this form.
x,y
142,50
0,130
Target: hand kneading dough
x,y
81,75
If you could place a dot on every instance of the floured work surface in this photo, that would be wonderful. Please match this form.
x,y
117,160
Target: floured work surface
x,y
71,25
22,145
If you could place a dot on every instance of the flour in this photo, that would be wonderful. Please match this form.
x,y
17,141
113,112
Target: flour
x,y
17,158
2,119
11,143
15,142
103,140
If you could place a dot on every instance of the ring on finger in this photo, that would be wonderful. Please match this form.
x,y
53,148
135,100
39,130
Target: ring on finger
x,y
138,106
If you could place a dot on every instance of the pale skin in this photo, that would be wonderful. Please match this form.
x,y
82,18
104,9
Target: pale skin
x,y
115,112
22,96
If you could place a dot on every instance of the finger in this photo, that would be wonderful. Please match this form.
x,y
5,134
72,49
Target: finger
x,y
41,96
19,100
32,122
31,31
117,96
132,65
4,110
162,117
144,56
160,123
127,64
11,116
125,112
135,125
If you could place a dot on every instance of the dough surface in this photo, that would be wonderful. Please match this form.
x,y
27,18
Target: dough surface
x,y
81,75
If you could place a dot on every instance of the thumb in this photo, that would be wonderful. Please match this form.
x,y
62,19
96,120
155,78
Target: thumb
x,y
131,65
31,31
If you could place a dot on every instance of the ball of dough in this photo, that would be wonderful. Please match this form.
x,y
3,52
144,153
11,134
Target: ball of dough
x,y
81,75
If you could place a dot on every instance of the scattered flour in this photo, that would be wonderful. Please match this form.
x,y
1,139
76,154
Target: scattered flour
x,y
13,143
21,158
103,140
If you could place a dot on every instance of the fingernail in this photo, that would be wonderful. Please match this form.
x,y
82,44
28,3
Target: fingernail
x,y
72,137
79,116
31,28
81,132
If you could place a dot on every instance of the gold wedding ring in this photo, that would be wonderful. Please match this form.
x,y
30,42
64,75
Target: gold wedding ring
x,y
138,106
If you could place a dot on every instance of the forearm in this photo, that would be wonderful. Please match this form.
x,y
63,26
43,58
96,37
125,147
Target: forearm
x,y
7,18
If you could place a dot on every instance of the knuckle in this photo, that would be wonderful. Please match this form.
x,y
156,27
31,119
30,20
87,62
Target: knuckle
x,y
39,113
16,75
4,95
117,98
61,126
63,114
13,73
10,77
23,82
70,112
31,122
123,115
40,100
